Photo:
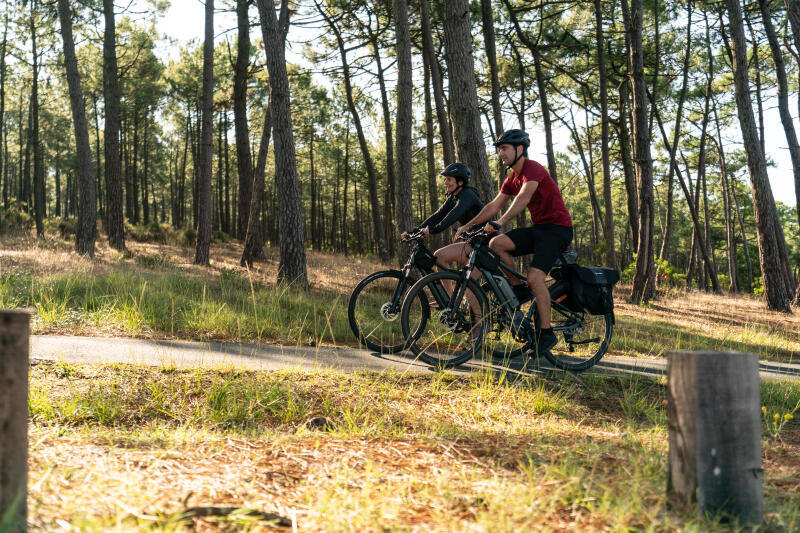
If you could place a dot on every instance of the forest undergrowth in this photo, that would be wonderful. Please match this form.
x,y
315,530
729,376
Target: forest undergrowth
x,y
130,448
155,291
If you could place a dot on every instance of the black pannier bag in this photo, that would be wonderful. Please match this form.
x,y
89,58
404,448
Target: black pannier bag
x,y
424,259
592,288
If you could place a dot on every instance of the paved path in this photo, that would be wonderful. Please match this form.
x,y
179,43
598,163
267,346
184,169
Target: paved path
x,y
272,357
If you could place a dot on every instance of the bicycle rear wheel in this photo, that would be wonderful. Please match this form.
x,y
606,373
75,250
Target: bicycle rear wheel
x,y
374,316
445,337
583,338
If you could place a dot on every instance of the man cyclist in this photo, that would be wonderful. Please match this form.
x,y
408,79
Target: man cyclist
x,y
461,204
531,186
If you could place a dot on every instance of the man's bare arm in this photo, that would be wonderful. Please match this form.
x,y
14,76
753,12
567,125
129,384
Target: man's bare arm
x,y
520,202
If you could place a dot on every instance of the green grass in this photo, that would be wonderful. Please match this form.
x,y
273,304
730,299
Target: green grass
x,y
155,292
641,335
436,452
169,303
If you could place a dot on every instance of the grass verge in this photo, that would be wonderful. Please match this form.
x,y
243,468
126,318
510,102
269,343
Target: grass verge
x,y
121,447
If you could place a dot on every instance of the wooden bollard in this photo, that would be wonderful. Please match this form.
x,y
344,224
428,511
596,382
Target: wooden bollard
x,y
14,346
714,418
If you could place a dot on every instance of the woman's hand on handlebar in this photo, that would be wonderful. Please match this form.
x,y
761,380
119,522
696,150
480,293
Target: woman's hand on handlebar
x,y
459,232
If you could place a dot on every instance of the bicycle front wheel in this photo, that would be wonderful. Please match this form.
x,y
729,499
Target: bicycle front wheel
x,y
445,337
583,339
374,311
500,342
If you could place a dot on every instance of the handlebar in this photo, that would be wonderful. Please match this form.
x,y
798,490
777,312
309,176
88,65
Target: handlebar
x,y
416,236
477,232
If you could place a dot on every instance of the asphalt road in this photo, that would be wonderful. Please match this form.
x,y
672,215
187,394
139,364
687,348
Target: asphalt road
x,y
272,357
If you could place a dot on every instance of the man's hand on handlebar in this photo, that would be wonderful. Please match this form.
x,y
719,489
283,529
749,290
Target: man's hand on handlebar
x,y
491,227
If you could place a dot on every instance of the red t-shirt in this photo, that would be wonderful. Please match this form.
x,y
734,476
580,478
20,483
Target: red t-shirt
x,y
546,205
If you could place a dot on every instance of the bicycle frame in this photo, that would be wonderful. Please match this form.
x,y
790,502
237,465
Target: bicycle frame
x,y
453,300
400,289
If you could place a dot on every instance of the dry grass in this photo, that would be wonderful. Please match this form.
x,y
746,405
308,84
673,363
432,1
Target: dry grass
x,y
26,255
403,453
678,320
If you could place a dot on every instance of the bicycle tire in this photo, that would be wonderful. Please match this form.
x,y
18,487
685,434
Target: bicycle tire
x,y
591,334
436,342
373,327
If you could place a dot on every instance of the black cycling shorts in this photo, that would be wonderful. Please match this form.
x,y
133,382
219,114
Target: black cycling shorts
x,y
545,241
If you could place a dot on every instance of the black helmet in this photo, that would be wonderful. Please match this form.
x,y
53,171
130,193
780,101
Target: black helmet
x,y
459,171
514,138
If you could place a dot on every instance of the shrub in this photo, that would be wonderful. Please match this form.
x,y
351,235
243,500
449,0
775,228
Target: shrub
x,y
152,232
15,219
758,286
67,228
153,261
188,236
220,236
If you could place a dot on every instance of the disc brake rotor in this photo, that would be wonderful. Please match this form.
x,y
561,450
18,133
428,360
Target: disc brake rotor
x,y
386,312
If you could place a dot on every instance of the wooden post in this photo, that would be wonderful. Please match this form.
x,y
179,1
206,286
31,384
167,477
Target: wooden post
x,y
14,345
714,419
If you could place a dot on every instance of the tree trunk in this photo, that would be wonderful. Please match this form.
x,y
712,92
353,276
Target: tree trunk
x,y
521,75
87,203
631,188
770,233
204,207
404,208
25,185
730,239
644,282
757,66
464,95
116,226
542,86
218,218
391,194
292,265
448,153
673,163
611,252
3,137
793,12
345,233
253,242
97,177
783,97
243,155
362,140
430,160
491,58
38,156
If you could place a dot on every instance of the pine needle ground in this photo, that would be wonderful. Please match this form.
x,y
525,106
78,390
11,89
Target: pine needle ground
x,y
123,448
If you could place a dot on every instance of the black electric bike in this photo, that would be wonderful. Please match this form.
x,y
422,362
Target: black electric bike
x,y
471,317
374,306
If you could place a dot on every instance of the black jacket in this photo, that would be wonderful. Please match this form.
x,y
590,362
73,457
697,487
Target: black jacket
x,y
461,208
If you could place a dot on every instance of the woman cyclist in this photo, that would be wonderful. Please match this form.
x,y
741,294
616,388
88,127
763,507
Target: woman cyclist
x,y
461,205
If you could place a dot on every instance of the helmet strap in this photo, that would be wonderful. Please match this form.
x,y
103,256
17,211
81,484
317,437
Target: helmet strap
x,y
514,162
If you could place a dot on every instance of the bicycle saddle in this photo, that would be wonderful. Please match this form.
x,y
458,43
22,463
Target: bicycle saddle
x,y
567,258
